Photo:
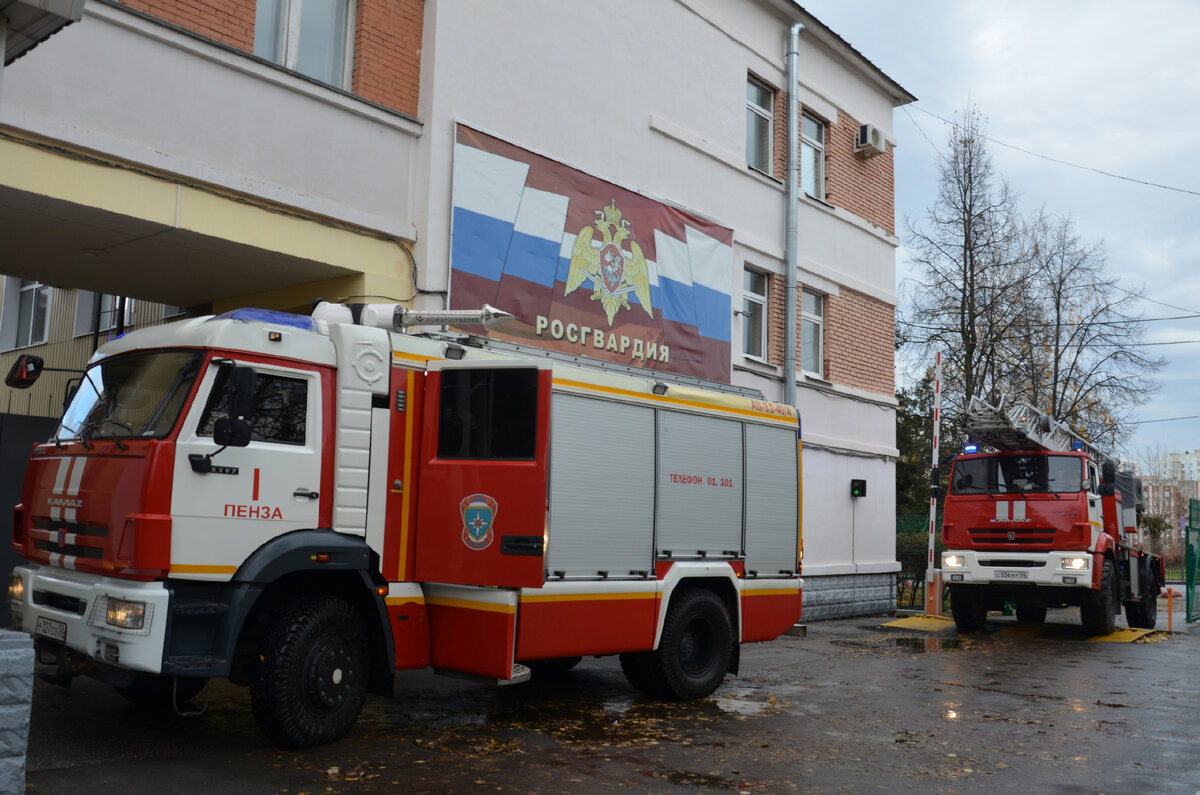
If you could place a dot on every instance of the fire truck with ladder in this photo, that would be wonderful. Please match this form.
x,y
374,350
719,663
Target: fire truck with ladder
x,y
1046,521
308,504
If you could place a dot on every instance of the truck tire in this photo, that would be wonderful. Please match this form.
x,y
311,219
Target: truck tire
x,y
696,646
642,671
1098,613
1144,614
966,605
1031,614
312,680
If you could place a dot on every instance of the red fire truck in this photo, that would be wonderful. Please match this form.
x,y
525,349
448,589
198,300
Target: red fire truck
x,y
306,505
1046,521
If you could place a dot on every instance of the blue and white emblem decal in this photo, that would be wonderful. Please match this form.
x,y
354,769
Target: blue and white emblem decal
x,y
478,513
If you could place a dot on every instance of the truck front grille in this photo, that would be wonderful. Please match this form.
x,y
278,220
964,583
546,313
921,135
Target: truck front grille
x,y
1026,537
57,601
72,539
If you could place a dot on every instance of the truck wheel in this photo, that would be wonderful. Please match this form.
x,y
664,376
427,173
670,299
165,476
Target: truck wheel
x,y
1098,613
966,605
641,670
1144,614
312,680
1031,614
696,646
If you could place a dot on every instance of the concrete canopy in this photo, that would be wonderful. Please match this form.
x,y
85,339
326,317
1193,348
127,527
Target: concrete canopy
x,y
75,222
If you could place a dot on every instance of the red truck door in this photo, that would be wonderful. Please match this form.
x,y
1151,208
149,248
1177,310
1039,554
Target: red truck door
x,y
481,515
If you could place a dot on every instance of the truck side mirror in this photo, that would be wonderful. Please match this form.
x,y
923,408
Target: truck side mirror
x,y
234,430
25,371
1108,472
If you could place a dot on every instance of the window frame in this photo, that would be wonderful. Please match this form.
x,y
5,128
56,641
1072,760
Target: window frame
x,y
810,144
84,308
22,287
268,382
762,302
766,115
817,320
488,414
286,38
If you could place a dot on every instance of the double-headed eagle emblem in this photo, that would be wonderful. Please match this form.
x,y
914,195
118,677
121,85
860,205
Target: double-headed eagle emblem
x,y
613,271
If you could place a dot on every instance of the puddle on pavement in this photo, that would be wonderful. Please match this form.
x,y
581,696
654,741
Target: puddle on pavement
x,y
918,645
922,645
737,706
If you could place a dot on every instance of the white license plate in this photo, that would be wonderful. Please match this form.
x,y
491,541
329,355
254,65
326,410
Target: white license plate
x,y
1005,574
49,628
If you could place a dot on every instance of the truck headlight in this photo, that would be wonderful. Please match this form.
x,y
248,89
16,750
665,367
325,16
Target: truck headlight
x,y
124,614
953,561
1076,563
16,589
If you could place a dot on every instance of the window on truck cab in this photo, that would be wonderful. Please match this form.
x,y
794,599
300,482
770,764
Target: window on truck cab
x,y
280,408
488,414
1018,474
132,395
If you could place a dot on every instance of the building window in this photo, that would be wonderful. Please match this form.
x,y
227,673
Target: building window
x,y
759,115
110,313
312,37
812,156
26,313
33,317
754,314
812,333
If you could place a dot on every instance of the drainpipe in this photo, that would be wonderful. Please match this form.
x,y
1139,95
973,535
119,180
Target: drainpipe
x,y
791,244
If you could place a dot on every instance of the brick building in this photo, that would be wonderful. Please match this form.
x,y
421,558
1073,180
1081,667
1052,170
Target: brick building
x,y
196,155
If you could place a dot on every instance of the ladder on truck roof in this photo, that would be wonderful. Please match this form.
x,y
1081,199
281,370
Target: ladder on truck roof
x,y
1017,425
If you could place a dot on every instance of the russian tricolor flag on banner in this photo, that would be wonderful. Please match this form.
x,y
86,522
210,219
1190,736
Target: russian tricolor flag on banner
x,y
585,266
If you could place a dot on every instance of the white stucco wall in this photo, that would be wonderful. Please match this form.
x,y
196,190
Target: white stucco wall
x,y
652,95
134,89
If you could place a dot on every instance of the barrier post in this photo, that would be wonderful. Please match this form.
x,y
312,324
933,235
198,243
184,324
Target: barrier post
x,y
933,594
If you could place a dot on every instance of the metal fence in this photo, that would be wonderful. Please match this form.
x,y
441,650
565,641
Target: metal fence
x,y
1191,559
912,551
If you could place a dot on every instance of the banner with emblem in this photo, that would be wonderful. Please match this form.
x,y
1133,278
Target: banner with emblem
x,y
586,266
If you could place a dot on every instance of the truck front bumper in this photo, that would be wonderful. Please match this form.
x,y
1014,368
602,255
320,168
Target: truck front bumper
x,y
1057,569
120,623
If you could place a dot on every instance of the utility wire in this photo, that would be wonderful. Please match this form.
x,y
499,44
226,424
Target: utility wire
x,y
1063,324
1063,162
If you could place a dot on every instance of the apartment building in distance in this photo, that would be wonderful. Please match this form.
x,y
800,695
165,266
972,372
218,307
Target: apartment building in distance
x,y
615,175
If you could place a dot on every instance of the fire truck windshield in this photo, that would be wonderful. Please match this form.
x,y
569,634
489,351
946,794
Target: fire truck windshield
x,y
131,396
1026,473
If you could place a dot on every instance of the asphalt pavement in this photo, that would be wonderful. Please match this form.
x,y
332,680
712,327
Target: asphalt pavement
x,y
848,706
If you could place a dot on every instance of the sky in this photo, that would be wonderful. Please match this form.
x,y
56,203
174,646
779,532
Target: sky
x,y
1104,85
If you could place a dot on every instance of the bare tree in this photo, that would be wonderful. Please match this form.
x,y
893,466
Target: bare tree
x,y
1021,306
973,272
1089,368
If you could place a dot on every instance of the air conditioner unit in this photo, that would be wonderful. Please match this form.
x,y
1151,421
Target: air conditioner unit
x,y
870,141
